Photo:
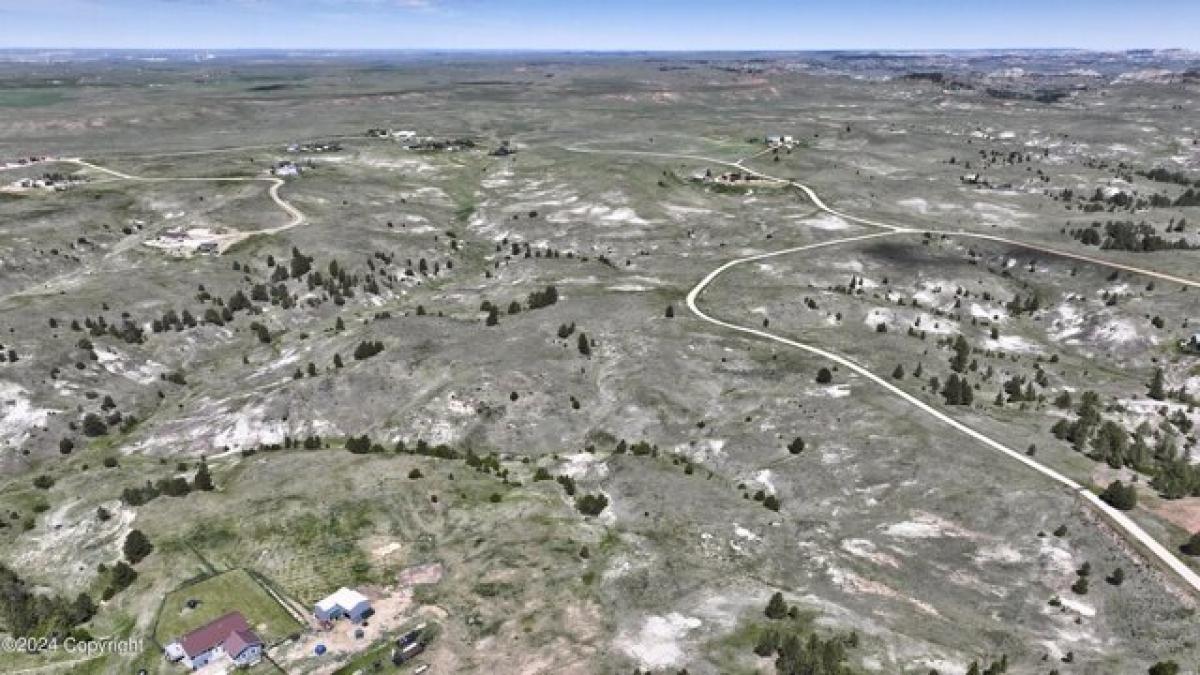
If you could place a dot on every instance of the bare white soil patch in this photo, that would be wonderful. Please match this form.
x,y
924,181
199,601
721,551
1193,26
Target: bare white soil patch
x,y
18,415
659,641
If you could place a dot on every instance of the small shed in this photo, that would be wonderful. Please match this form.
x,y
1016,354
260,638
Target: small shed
x,y
343,602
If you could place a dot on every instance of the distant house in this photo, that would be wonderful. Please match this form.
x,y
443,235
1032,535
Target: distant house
x,y
229,634
1194,342
774,140
343,602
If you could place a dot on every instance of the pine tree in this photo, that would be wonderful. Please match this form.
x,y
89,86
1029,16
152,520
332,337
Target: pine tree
x,y
93,425
203,479
776,606
962,351
136,547
898,373
796,446
824,376
966,395
585,347
1157,391
670,311
951,392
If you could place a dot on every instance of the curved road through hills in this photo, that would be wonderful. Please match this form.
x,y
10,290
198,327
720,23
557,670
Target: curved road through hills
x,y
297,217
1123,523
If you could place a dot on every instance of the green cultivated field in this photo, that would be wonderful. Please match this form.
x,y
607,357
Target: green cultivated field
x,y
234,590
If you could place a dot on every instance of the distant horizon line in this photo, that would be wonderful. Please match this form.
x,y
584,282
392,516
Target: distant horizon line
x,y
630,50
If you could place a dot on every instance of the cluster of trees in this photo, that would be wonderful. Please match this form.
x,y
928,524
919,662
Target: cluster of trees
x,y
956,391
1016,390
535,300
1078,431
175,486
638,449
366,349
1190,197
1120,496
997,667
29,613
769,501
1029,305
171,320
336,282
127,330
118,577
1173,476
1164,175
362,445
591,504
543,298
796,655
1128,236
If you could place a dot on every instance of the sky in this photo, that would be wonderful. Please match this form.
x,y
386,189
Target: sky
x,y
599,24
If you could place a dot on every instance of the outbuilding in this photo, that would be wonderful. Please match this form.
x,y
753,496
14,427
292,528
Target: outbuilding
x,y
343,602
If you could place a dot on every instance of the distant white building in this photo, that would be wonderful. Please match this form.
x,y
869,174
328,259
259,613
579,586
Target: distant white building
x,y
404,135
343,602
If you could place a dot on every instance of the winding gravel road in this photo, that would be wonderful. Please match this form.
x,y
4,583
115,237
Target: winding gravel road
x,y
1117,518
296,216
